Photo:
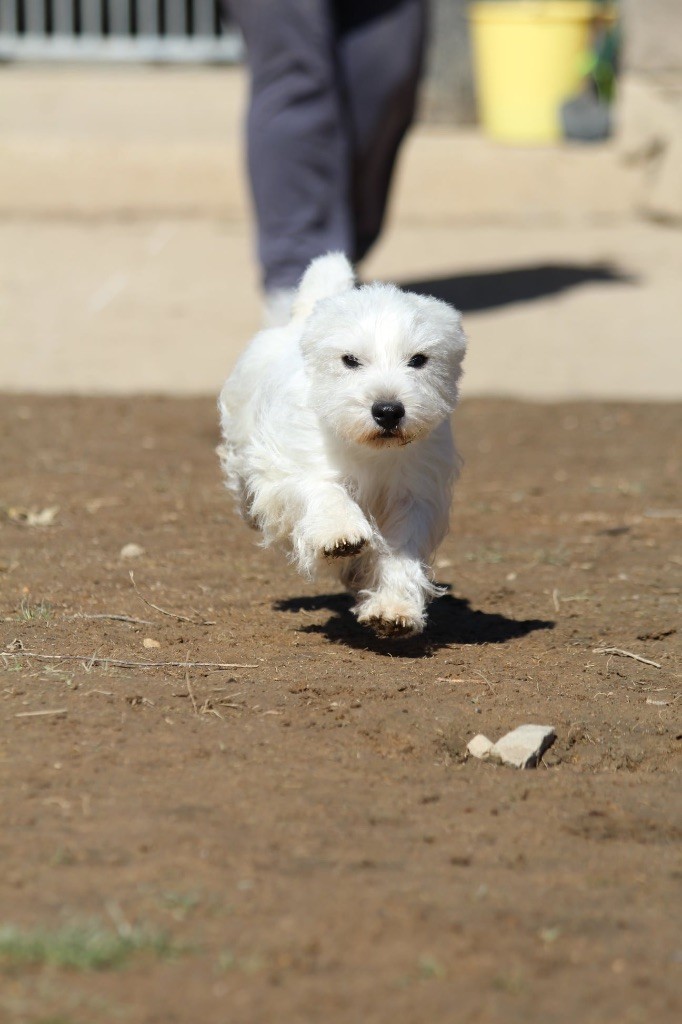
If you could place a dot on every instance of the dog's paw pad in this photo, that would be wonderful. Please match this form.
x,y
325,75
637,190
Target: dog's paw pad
x,y
344,548
395,628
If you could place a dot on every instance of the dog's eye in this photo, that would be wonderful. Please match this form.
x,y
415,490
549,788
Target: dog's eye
x,y
416,362
350,361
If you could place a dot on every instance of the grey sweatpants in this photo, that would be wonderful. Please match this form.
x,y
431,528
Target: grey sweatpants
x,y
333,87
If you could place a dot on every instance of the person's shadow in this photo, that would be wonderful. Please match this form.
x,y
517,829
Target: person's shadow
x,y
451,621
477,291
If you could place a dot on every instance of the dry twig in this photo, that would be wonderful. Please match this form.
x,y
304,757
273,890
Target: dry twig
x,y
116,618
40,714
486,681
163,611
190,691
118,663
207,708
625,654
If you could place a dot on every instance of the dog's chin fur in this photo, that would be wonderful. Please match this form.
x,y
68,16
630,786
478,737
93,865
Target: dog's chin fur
x,y
382,439
308,464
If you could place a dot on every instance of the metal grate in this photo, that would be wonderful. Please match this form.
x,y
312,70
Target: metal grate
x,y
173,31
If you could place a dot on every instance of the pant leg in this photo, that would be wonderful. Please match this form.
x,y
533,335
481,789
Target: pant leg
x,y
297,140
380,47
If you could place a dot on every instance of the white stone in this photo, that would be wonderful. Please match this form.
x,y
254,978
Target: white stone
x,y
480,746
131,551
523,747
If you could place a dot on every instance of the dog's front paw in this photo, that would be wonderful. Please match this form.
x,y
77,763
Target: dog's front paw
x,y
348,538
391,619
395,628
328,532
344,548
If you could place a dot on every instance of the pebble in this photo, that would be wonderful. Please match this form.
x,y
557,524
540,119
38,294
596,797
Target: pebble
x,y
131,551
150,643
521,748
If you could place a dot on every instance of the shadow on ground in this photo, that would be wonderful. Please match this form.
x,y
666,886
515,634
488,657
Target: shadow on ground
x,y
488,289
452,620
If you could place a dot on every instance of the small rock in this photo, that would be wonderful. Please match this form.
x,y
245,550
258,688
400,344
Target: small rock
x,y
131,551
33,516
149,643
480,746
520,748
523,747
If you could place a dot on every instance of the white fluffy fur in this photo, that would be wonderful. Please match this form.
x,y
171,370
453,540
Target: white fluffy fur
x,y
311,467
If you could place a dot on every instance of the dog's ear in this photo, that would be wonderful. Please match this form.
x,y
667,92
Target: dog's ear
x,y
443,322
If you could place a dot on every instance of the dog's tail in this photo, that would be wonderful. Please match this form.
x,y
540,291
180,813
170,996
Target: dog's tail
x,y
327,275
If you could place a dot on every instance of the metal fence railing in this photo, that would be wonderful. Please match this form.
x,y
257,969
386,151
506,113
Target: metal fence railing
x,y
175,31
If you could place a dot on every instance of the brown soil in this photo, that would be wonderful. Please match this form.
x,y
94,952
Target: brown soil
x,y
305,829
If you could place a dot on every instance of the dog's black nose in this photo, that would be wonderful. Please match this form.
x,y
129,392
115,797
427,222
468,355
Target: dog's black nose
x,y
388,414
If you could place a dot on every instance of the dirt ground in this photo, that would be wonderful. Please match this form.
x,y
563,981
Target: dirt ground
x,y
299,838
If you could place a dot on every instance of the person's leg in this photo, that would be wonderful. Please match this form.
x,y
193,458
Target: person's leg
x,y
380,46
298,153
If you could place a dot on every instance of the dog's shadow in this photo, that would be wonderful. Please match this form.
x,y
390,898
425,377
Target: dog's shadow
x,y
451,621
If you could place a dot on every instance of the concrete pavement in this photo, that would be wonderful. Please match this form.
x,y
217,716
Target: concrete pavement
x,y
126,262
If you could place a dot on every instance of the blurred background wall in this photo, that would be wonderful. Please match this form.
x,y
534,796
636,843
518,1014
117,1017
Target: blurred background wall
x,y
448,92
648,121
126,228
654,35
650,103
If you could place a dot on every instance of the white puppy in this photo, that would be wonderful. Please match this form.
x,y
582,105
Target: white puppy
x,y
338,441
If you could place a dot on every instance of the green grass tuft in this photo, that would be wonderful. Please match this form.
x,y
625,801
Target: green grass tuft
x,y
29,612
77,947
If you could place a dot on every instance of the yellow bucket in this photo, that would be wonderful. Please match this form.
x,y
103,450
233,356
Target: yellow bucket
x,y
528,58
